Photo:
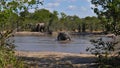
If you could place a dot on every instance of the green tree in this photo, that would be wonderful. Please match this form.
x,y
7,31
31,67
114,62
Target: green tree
x,y
53,22
108,11
7,9
23,20
73,22
62,21
95,23
83,27
42,15
12,21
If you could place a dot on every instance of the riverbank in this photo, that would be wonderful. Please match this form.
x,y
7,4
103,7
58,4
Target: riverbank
x,y
27,33
57,59
24,33
55,33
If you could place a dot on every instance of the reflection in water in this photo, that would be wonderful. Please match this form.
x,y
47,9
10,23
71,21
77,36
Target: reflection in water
x,y
49,43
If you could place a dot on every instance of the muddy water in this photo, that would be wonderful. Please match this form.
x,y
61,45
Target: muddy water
x,y
49,43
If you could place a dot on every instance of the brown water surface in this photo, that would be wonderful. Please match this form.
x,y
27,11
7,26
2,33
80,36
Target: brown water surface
x,y
49,43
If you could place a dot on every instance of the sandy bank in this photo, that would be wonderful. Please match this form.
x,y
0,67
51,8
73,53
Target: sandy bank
x,y
26,33
44,54
29,33
57,60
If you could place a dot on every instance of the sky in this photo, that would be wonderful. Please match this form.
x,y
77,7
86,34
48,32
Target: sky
x,y
81,8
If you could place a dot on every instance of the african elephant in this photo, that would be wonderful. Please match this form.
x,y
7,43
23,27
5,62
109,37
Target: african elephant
x,y
62,36
40,27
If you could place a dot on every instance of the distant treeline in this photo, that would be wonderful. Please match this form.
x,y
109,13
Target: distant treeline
x,y
26,21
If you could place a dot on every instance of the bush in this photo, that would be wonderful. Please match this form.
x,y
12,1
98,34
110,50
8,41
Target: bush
x,y
104,51
7,54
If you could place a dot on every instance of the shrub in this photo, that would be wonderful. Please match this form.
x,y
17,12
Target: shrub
x,y
7,54
104,51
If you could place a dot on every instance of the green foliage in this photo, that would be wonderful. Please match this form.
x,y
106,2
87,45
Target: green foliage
x,y
42,15
20,19
7,57
72,21
9,10
52,20
14,5
104,51
4,18
108,12
96,26
83,27
102,47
